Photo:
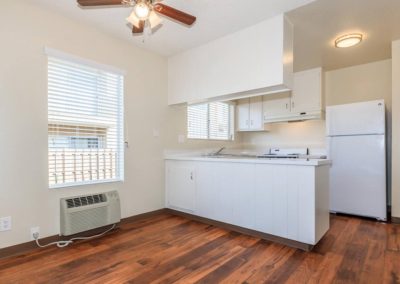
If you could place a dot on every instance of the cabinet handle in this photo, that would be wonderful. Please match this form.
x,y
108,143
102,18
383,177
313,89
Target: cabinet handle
x,y
191,176
287,106
292,104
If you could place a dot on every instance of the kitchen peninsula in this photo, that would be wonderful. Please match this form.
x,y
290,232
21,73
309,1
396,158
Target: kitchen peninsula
x,y
284,200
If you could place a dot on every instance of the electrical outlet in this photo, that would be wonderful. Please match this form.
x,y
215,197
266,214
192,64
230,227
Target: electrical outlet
x,y
5,224
34,230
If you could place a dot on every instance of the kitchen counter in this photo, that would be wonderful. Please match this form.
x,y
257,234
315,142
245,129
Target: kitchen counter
x,y
249,159
286,198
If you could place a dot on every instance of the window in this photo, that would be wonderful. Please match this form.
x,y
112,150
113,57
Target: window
x,y
85,123
210,121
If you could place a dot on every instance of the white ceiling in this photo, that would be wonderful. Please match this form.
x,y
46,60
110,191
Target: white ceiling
x,y
215,18
318,24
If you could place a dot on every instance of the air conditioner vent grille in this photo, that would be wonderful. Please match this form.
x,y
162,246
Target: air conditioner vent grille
x,y
86,200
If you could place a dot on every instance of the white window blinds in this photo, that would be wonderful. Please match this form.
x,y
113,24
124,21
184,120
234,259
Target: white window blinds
x,y
85,124
210,121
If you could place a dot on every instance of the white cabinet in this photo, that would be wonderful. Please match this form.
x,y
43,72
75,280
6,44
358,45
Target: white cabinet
x,y
276,106
305,102
307,91
252,60
220,195
180,186
250,114
236,182
288,201
208,198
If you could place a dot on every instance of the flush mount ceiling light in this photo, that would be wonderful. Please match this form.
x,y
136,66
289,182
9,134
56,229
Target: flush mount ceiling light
x,y
145,12
348,40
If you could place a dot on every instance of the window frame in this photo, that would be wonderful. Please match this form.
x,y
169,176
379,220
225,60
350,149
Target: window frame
x,y
231,122
120,164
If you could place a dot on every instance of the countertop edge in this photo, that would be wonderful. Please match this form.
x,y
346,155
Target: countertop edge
x,y
299,162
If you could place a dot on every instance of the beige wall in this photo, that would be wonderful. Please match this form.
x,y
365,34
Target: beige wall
x,y
396,129
25,30
365,82
294,134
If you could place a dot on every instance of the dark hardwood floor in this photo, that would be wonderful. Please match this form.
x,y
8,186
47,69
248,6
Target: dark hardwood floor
x,y
171,249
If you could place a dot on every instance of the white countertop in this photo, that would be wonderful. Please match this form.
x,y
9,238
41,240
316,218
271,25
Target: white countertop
x,y
253,160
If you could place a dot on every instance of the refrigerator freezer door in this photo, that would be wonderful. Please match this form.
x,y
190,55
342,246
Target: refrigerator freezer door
x,y
355,119
358,175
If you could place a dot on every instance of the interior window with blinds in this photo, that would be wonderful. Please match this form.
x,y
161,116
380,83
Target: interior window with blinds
x,y
212,121
85,124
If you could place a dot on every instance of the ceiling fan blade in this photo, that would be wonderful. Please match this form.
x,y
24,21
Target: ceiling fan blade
x,y
174,14
138,30
99,2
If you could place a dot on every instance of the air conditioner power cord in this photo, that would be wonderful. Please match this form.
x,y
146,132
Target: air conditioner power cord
x,y
62,244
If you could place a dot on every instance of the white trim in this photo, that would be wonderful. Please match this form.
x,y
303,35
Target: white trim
x,y
83,183
76,59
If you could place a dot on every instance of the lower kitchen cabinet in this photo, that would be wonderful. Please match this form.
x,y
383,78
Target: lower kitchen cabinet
x,y
286,199
180,186
289,201
220,195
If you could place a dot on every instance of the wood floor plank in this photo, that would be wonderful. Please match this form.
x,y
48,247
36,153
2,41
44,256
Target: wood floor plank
x,y
228,268
392,267
136,254
327,269
241,275
311,264
160,270
355,254
204,264
171,249
271,264
393,237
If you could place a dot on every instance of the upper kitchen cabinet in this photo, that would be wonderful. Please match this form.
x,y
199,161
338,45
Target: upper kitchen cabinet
x,y
277,106
305,102
256,60
250,114
307,96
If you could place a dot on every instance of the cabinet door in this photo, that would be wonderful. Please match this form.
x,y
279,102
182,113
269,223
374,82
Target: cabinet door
x,y
180,185
307,91
243,113
207,190
236,187
256,113
271,196
276,106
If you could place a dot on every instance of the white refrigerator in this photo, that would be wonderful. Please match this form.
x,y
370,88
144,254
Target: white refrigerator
x,y
357,148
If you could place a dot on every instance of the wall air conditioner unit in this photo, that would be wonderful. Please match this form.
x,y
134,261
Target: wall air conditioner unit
x,y
83,213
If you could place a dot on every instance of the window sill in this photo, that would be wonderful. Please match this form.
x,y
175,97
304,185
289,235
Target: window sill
x,y
207,139
57,186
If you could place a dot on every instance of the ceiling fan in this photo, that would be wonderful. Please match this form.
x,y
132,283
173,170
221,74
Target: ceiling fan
x,y
145,12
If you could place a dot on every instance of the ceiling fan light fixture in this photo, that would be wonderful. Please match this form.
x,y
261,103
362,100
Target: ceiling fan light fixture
x,y
142,10
154,20
134,20
348,40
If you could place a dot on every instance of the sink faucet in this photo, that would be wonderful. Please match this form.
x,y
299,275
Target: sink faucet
x,y
219,151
